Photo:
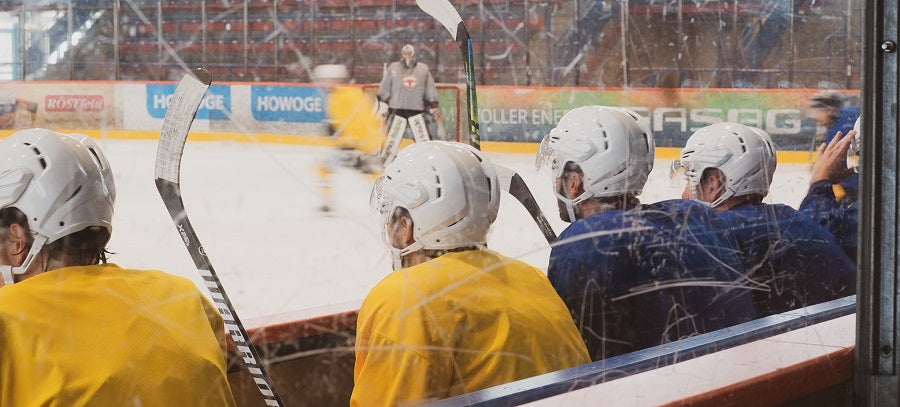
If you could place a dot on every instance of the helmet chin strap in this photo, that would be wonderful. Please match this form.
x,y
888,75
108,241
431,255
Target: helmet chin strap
x,y
9,272
570,203
695,192
725,195
398,254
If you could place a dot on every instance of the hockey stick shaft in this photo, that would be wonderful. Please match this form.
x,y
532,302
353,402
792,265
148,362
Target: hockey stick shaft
x,y
176,126
448,16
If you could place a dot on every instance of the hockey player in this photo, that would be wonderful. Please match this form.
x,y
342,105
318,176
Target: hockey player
x,y
453,317
828,109
356,131
792,261
837,161
74,329
406,91
633,275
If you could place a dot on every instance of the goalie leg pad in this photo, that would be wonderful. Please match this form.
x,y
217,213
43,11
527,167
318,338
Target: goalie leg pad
x,y
392,143
419,128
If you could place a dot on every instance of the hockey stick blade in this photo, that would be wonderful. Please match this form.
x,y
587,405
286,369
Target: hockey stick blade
x,y
446,14
176,126
512,182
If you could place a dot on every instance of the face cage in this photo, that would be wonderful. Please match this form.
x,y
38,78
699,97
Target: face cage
x,y
853,154
544,154
382,200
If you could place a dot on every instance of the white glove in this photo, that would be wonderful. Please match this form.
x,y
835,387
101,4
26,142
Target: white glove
x,y
435,112
381,108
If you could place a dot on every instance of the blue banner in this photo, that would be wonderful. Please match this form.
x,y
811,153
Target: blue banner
x,y
216,104
297,104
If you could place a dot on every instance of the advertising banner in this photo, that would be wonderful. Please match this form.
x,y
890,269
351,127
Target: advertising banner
x,y
55,105
505,113
527,114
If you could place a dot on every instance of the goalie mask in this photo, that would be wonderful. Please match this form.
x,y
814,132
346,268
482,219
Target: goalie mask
x,y
450,191
408,55
61,182
613,147
744,154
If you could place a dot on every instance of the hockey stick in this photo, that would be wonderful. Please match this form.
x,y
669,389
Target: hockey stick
x,y
510,181
176,125
447,15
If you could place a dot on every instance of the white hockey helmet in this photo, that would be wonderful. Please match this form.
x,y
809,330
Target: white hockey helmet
x,y
450,190
330,72
61,182
746,155
613,147
853,151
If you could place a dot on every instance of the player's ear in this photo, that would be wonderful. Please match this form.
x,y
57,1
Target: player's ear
x,y
712,183
14,244
573,183
405,229
401,230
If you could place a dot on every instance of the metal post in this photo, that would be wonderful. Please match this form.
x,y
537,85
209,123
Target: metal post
x,y
736,37
876,373
70,28
278,38
679,44
23,49
576,20
313,43
246,35
848,30
482,39
394,52
159,38
527,43
116,9
623,16
793,47
548,44
203,21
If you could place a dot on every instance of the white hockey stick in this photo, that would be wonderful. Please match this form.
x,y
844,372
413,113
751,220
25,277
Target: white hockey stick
x,y
510,181
179,117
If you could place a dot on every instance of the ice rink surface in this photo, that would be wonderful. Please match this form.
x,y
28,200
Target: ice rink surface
x,y
255,209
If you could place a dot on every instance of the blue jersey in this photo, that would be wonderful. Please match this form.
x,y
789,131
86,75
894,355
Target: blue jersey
x,y
792,260
840,217
645,276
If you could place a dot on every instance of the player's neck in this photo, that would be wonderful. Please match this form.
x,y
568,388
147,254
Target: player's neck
x,y
594,206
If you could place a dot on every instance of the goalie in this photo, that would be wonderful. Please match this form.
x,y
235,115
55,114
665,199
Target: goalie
x,y
406,92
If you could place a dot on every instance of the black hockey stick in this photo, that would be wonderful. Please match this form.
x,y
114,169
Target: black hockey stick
x,y
179,116
510,181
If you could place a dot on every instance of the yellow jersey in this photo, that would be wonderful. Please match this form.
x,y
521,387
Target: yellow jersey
x,y
349,111
461,322
107,336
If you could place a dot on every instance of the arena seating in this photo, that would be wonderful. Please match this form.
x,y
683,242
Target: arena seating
x,y
364,35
